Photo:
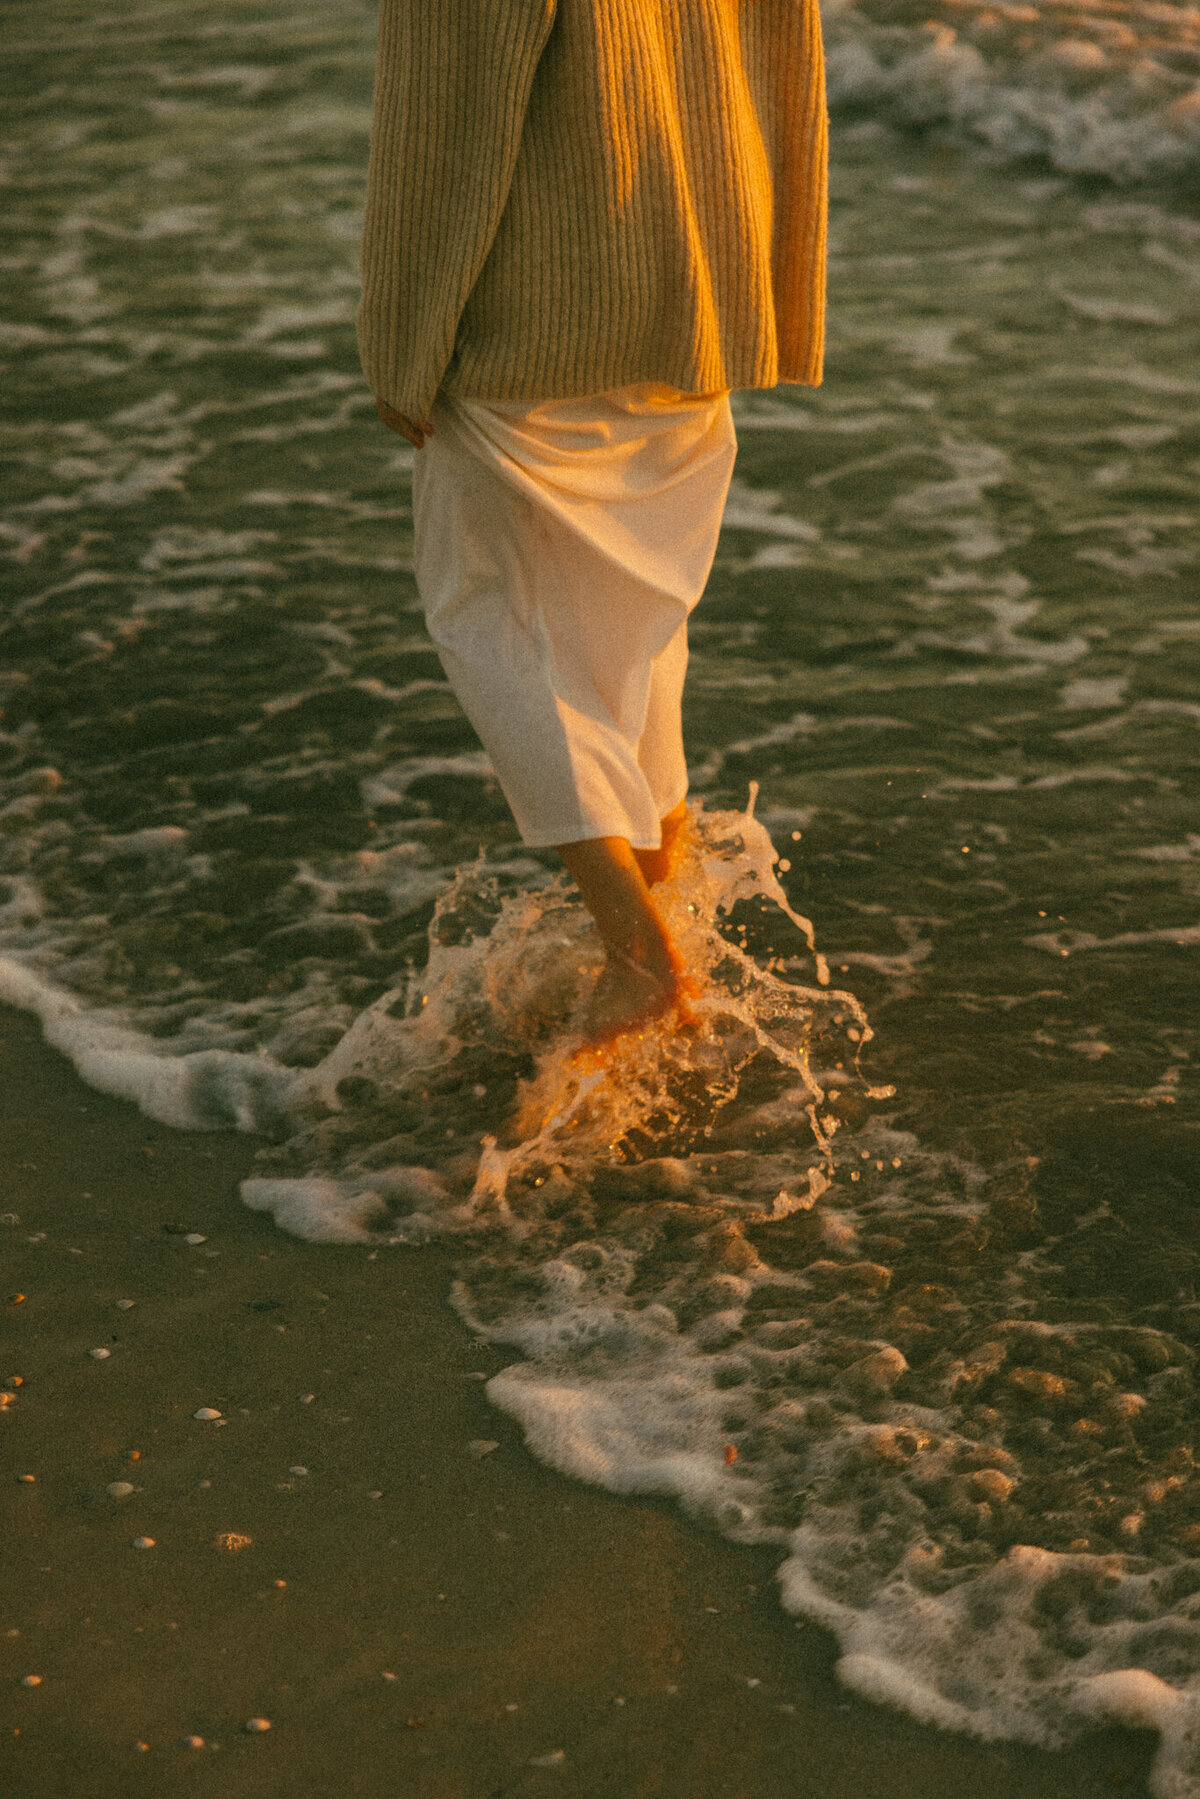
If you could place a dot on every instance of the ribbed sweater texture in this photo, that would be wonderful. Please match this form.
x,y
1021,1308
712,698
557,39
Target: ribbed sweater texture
x,y
568,196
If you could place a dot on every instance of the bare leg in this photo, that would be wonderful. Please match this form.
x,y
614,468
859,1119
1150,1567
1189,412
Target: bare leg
x,y
642,972
657,864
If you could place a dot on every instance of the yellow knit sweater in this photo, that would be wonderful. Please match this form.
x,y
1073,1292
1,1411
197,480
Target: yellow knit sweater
x,y
566,196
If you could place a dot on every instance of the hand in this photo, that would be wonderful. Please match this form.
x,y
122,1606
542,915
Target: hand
x,y
416,431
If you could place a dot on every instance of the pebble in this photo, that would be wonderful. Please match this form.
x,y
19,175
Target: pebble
x,y
99,1355
194,1237
256,1725
297,1470
125,1305
143,1542
481,1446
207,1414
119,1489
191,1742
388,1675
31,1680
307,1398
27,1479
555,1759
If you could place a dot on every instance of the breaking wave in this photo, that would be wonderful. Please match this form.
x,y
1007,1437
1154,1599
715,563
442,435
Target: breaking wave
x,y
1095,90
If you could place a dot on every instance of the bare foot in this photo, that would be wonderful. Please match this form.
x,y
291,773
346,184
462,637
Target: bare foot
x,y
628,995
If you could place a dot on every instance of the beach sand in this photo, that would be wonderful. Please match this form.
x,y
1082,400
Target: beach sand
x,y
413,1614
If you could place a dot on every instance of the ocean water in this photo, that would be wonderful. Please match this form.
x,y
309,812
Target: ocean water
x,y
892,1262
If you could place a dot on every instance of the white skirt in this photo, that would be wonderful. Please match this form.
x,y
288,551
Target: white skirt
x,y
559,548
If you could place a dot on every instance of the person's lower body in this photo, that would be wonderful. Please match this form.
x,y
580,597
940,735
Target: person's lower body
x,y
559,549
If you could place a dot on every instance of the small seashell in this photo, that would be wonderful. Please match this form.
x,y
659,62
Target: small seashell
x,y
125,1305
207,1414
27,1480
231,1540
297,1470
31,1680
99,1355
555,1759
257,1725
307,1398
478,1447
194,1237
192,1742
119,1489
143,1542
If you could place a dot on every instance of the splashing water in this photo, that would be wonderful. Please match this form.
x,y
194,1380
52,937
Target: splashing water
x,y
489,1038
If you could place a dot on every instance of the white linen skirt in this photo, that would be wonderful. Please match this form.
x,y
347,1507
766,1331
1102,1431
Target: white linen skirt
x,y
559,549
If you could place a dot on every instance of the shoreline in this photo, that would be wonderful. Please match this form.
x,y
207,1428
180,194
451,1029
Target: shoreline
x,y
457,1621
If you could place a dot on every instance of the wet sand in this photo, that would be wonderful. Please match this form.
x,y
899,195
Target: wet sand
x,y
413,1616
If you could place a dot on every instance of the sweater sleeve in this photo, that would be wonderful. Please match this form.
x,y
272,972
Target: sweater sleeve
x,y
452,85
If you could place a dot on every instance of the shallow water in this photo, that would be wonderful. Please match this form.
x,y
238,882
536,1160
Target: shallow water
x,y
938,1343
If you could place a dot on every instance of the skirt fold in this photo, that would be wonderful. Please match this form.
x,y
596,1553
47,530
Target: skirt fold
x,y
560,548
